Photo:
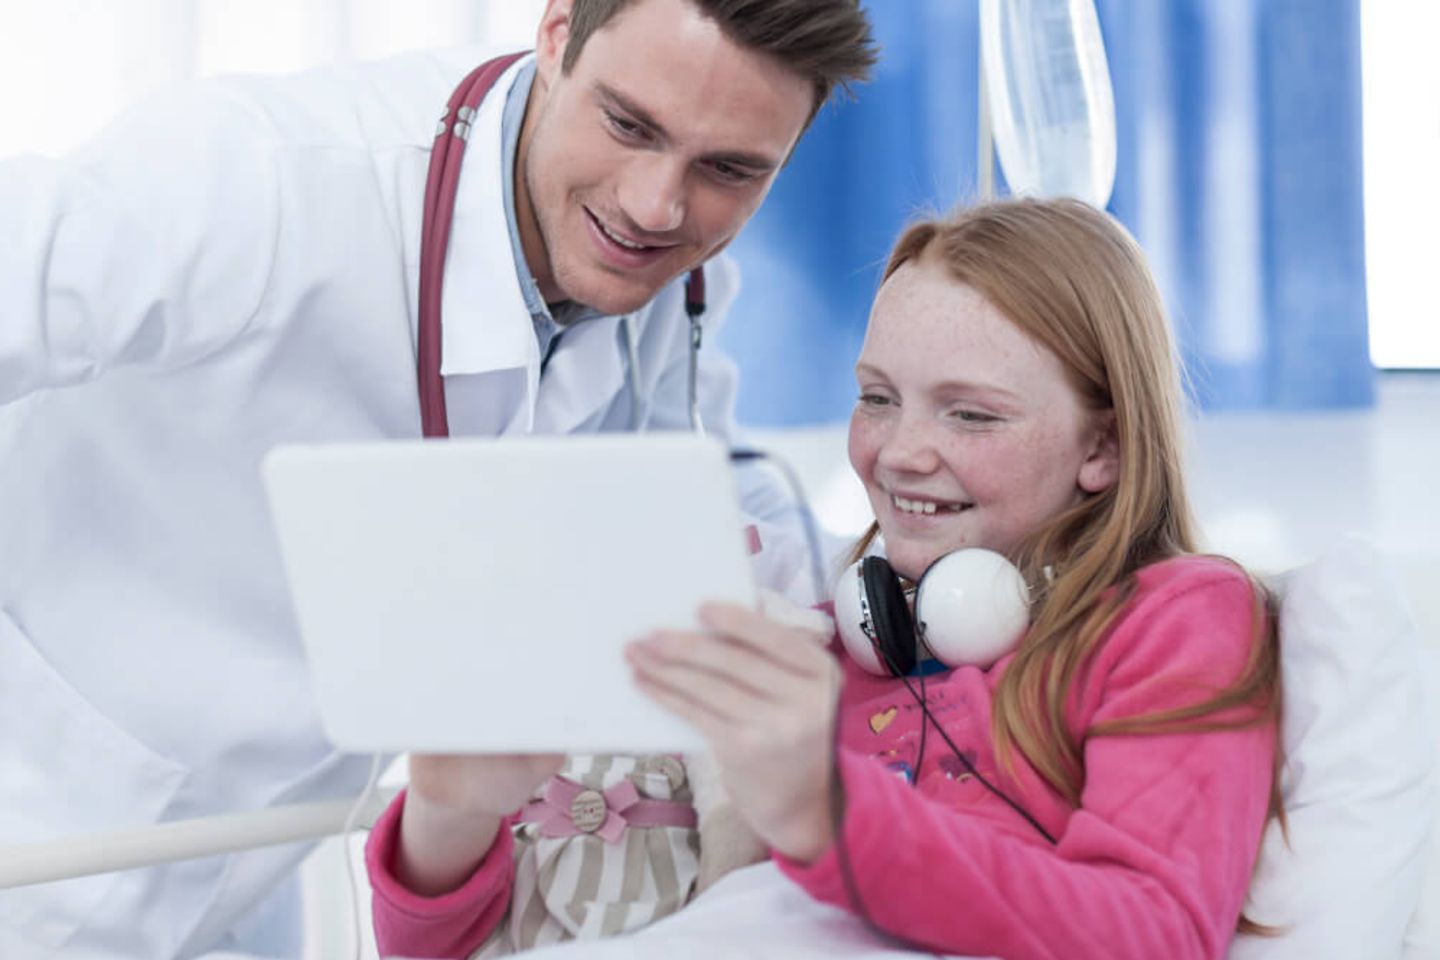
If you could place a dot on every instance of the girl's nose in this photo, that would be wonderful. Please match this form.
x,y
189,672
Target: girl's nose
x,y
908,448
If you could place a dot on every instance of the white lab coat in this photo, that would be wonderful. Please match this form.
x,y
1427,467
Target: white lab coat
x,y
226,270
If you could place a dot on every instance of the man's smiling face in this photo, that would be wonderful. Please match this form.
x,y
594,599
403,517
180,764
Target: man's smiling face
x,y
647,158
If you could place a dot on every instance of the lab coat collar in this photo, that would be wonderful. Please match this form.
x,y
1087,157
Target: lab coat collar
x,y
486,325
583,376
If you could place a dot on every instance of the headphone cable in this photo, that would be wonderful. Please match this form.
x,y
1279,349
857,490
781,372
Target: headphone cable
x,y
352,820
924,729
929,718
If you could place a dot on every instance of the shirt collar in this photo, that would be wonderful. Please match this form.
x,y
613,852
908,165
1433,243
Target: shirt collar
x,y
511,123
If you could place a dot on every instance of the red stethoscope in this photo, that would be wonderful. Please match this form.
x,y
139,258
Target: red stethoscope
x,y
441,186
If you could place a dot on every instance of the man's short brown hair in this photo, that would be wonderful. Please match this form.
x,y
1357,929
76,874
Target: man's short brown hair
x,y
828,42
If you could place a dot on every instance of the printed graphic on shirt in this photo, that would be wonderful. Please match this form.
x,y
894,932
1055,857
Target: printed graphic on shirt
x,y
902,770
954,768
879,721
891,734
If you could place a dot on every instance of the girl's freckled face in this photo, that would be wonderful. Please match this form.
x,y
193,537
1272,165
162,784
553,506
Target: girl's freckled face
x,y
967,431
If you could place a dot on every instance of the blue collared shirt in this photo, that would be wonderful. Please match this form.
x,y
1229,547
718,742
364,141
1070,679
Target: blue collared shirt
x,y
548,325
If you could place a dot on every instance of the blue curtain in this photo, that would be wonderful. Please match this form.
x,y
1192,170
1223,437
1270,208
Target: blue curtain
x,y
1239,141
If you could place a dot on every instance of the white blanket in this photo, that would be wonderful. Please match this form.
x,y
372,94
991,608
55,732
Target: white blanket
x,y
751,913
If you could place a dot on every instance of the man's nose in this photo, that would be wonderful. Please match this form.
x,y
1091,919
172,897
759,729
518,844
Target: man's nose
x,y
652,194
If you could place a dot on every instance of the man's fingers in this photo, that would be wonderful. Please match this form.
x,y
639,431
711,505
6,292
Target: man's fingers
x,y
815,623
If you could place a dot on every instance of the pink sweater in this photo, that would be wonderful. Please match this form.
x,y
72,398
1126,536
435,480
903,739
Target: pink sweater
x,y
1154,863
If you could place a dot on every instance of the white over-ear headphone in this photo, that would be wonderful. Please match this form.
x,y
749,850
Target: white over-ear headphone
x,y
971,606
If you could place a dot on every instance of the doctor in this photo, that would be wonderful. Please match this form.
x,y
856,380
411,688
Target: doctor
x,y
236,267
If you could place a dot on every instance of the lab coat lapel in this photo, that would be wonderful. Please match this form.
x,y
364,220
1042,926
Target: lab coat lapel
x,y
486,326
585,373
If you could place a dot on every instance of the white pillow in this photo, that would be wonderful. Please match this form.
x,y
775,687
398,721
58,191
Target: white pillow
x,y
1360,778
1422,940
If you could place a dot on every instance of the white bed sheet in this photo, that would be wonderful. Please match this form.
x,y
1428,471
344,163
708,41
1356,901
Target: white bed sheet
x,y
754,913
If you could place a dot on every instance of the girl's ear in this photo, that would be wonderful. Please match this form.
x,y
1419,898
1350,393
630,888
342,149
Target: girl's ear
x,y
1101,467
551,38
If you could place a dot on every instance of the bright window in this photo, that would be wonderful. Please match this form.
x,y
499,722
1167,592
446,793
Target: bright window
x,y
1400,48
69,66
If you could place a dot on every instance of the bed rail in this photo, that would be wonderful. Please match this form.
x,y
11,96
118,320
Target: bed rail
x,y
104,852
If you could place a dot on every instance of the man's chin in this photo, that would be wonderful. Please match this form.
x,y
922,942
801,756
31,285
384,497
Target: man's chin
x,y
613,298
619,306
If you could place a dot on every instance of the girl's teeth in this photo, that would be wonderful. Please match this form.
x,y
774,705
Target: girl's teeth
x,y
925,507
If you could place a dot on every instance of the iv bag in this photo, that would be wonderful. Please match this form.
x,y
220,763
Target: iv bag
x,y
1051,104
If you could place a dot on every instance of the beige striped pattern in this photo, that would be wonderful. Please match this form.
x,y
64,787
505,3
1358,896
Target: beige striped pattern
x,y
582,888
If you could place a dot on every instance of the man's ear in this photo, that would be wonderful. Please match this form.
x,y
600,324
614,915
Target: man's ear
x,y
1101,467
551,38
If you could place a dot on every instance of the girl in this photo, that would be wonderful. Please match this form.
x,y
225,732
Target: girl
x,y
1101,790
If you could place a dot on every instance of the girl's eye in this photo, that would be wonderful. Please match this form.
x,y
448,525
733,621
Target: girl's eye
x,y
973,416
873,400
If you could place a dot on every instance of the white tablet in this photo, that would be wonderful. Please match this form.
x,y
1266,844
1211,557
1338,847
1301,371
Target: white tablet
x,y
476,595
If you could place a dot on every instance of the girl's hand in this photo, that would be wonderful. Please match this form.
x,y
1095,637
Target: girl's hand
x,y
764,695
493,784
453,812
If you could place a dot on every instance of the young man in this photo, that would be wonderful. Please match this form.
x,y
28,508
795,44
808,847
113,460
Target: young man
x,y
236,268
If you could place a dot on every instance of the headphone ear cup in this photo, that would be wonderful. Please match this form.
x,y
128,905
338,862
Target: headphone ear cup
x,y
889,615
973,606
853,619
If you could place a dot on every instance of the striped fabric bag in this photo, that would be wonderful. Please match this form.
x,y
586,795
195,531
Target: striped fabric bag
x,y
608,847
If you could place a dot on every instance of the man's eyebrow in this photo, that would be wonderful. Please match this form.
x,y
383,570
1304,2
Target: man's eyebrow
x,y
637,112
755,161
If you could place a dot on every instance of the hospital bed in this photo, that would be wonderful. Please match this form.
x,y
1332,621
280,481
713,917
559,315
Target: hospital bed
x,y
1398,850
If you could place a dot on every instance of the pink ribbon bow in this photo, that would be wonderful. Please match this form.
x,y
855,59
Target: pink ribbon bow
x,y
556,812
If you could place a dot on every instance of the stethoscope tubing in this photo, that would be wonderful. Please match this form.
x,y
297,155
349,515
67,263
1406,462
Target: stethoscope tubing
x,y
442,183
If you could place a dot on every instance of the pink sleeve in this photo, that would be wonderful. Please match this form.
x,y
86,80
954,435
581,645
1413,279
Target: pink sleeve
x,y
1154,863
449,926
